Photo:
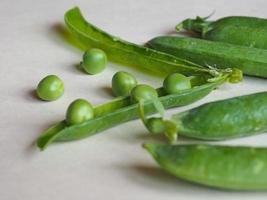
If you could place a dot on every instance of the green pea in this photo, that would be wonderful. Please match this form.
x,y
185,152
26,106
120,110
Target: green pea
x,y
175,83
123,83
94,61
79,111
155,125
50,88
143,92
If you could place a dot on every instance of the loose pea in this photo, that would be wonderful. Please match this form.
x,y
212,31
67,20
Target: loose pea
x,y
123,83
175,83
79,111
50,88
143,92
94,61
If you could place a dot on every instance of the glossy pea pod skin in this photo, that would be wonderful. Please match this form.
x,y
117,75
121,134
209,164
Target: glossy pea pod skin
x,y
224,167
120,111
126,53
251,61
226,119
240,30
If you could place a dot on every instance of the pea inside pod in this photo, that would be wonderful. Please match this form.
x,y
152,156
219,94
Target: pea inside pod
x,y
175,83
123,83
79,111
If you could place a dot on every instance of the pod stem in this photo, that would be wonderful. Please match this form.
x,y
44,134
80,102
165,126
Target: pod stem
x,y
199,24
166,126
171,131
232,75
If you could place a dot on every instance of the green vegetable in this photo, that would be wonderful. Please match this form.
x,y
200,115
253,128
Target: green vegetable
x,y
225,119
50,88
143,92
176,82
241,30
79,111
122,110
94,61
251,61
155,125
123,83
225,167
127,53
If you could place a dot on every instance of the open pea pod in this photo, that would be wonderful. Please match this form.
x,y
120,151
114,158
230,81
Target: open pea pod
x,y
126,53
119,111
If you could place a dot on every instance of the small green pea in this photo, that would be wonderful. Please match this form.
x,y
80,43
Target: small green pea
x,y
79,111
176,82
123,83
143,92
94,61
50,88
197,80
155,125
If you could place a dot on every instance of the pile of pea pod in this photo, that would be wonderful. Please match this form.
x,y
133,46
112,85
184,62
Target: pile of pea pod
x,y
192,68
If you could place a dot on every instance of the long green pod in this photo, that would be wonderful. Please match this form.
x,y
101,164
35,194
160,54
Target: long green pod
x,y
241,30
224,167
225,119
251,61
127,53
119,111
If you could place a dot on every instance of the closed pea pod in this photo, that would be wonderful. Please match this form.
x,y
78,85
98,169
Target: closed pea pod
x,y
225,167
241,30
220,120
251,61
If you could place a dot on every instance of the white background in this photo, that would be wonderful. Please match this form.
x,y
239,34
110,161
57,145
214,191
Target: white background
x,y
110,165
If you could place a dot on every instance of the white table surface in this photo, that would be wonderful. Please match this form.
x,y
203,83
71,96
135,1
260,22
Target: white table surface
x,y
110,165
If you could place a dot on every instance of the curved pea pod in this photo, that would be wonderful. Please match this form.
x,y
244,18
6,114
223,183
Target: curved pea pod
x,y
241,30
251,61
119,111
126,53
224,167
220,120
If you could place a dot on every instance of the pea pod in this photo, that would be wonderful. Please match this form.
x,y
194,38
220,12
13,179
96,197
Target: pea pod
x,y
241,30
230,118
226,167
127,53
119,111
251,61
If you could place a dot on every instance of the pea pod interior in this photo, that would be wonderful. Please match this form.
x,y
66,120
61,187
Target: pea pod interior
x,y
127,53
119,111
